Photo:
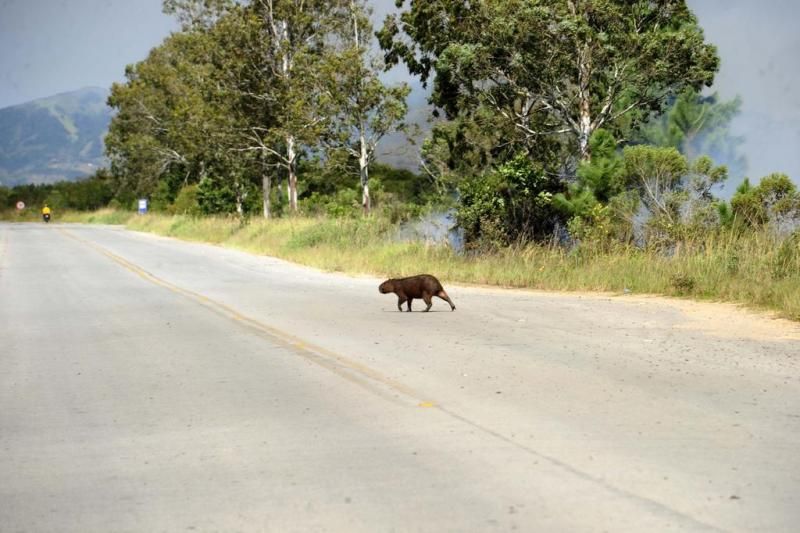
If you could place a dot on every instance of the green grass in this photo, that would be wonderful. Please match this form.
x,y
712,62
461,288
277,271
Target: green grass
x,y
102,216
27,215
757,269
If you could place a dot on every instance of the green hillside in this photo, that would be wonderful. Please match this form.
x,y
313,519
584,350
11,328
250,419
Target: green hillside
x,y
53,139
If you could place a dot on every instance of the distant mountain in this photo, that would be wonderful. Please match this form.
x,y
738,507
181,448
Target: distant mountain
x,y
53,139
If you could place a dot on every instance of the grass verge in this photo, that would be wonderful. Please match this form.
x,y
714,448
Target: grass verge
x,y
102,216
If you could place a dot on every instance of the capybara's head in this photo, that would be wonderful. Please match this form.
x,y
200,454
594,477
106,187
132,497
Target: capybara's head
x,y
386,286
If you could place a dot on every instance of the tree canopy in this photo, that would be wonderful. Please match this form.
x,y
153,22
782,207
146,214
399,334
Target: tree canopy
x,y
243,94
552,67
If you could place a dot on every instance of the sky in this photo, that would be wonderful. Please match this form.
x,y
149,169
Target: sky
x,y
53,46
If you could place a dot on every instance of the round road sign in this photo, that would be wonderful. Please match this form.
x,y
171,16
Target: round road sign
x,y
20,205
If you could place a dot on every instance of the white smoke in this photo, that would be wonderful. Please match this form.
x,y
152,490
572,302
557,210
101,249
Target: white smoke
x,y
759,46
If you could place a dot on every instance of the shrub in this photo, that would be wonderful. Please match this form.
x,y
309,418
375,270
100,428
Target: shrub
x,y
186,203
774,200
510,204
683,283
787,258
344,203
215,196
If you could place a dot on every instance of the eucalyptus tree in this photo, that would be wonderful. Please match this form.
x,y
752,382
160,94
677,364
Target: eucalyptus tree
x,y
552,68
163,121
366,109
177,120
198,14
289,42
249,90
273,54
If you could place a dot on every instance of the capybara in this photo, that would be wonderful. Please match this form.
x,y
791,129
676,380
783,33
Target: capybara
x,y
423,286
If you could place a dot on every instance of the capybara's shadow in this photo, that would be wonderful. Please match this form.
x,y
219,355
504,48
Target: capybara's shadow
x,y
415,311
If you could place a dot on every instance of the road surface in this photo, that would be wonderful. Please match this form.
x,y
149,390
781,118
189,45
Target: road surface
x,y
148,384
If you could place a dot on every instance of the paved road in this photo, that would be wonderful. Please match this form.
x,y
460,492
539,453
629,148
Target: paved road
x,y
148,384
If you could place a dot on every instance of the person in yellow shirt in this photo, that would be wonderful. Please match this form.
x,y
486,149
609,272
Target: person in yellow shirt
x,y
46,213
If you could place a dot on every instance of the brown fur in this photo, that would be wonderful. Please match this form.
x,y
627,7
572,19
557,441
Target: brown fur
x,y
423,286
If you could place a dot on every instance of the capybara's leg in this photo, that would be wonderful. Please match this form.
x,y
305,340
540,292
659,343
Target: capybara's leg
x,y
409,304
400,302
443,295
428,302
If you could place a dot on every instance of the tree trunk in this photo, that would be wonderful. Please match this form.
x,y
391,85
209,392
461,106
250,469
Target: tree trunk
x,y
239,203
585,119
363,158
585,130
584,96
365,199
291,157
366,202
266,187
363,165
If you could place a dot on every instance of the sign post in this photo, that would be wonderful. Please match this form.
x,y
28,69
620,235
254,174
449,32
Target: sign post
x,y
20,205
142,206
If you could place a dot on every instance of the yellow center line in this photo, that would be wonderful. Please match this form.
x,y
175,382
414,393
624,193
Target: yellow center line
x,y
330,360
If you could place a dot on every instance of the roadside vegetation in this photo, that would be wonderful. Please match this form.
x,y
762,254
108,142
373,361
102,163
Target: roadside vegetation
x,y
756,269
613,168
753,268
